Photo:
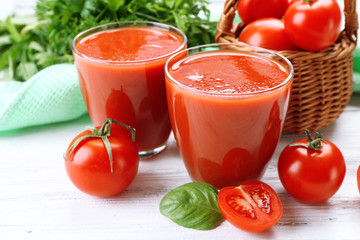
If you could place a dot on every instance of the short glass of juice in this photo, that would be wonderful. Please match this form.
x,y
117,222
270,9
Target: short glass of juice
x,y
227,105
121,75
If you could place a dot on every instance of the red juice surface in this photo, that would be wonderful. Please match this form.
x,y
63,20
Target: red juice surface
x,y
122,77
129,44
225,119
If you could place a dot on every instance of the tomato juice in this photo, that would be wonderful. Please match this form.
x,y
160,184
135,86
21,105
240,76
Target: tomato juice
x,y
227,109
121,76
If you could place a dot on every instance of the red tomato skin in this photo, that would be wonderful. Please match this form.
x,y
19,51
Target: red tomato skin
x,y
313,26
88,167
262,221
311,176
251,10
358,178
267,33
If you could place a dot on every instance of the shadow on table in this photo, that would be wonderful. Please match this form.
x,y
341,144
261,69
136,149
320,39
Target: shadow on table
x,y
157,175
296,214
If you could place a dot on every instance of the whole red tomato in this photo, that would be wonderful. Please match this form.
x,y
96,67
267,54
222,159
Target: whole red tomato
x,y
268,33
251,10
311,171
103,161
253,206
313,25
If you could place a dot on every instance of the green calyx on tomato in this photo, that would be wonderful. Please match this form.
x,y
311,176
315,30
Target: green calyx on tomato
x,y
313,144
309,1
309,171
93,153
103,133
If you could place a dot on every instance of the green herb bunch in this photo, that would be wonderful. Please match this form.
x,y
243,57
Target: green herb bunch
x,y
29,44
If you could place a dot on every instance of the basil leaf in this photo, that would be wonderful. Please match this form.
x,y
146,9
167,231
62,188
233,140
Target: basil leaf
x,y
192,205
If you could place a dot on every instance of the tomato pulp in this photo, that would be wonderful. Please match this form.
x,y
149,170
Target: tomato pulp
x,y
253,206
121,74
227,109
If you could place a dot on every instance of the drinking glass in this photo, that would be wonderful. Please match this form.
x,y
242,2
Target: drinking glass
x,y
227,136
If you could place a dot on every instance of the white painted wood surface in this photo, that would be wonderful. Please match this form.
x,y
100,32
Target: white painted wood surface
x,y
38,201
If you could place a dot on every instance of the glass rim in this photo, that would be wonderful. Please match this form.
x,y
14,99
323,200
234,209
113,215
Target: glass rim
x,y
283,83
103,27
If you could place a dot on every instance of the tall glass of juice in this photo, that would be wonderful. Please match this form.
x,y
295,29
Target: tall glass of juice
x,y
227,105
121,75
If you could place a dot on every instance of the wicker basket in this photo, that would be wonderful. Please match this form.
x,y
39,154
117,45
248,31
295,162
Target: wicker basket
x,y
322,84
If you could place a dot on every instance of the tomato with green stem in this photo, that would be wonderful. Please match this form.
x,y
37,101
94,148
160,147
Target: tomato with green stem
x,y
251,10
310,171
253,206
313,25
103,161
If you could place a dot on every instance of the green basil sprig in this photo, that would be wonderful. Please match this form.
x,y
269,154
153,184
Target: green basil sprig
x,y
192,205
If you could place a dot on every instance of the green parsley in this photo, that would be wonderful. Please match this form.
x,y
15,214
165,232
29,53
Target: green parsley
x,y
29,44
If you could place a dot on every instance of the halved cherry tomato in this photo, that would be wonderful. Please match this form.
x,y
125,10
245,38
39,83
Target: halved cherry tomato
x,y
253,206
103,161
313,25
251,10
267,33
311,171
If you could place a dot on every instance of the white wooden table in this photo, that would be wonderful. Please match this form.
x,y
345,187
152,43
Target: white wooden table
x,y
38,201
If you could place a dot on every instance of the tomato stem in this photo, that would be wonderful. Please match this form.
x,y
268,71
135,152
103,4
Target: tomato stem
x,y
309,1
103,133
106,128
313,144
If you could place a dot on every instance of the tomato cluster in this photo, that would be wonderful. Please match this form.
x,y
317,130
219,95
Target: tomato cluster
x,y
311,25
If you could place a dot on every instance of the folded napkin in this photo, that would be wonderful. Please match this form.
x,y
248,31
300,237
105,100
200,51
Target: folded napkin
x,y
52,95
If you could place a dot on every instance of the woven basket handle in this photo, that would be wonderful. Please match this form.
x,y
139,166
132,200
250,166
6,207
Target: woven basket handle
x,y
225,25
351,19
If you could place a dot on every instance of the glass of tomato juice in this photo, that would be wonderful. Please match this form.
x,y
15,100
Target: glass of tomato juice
x,y
121,74
227,105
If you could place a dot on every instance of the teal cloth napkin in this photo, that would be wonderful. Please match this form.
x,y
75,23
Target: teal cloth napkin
x,y
52,95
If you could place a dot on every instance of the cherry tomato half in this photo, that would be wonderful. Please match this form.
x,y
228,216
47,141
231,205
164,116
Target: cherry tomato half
x,y
253,206
95,170
313,25
267,33
311,175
